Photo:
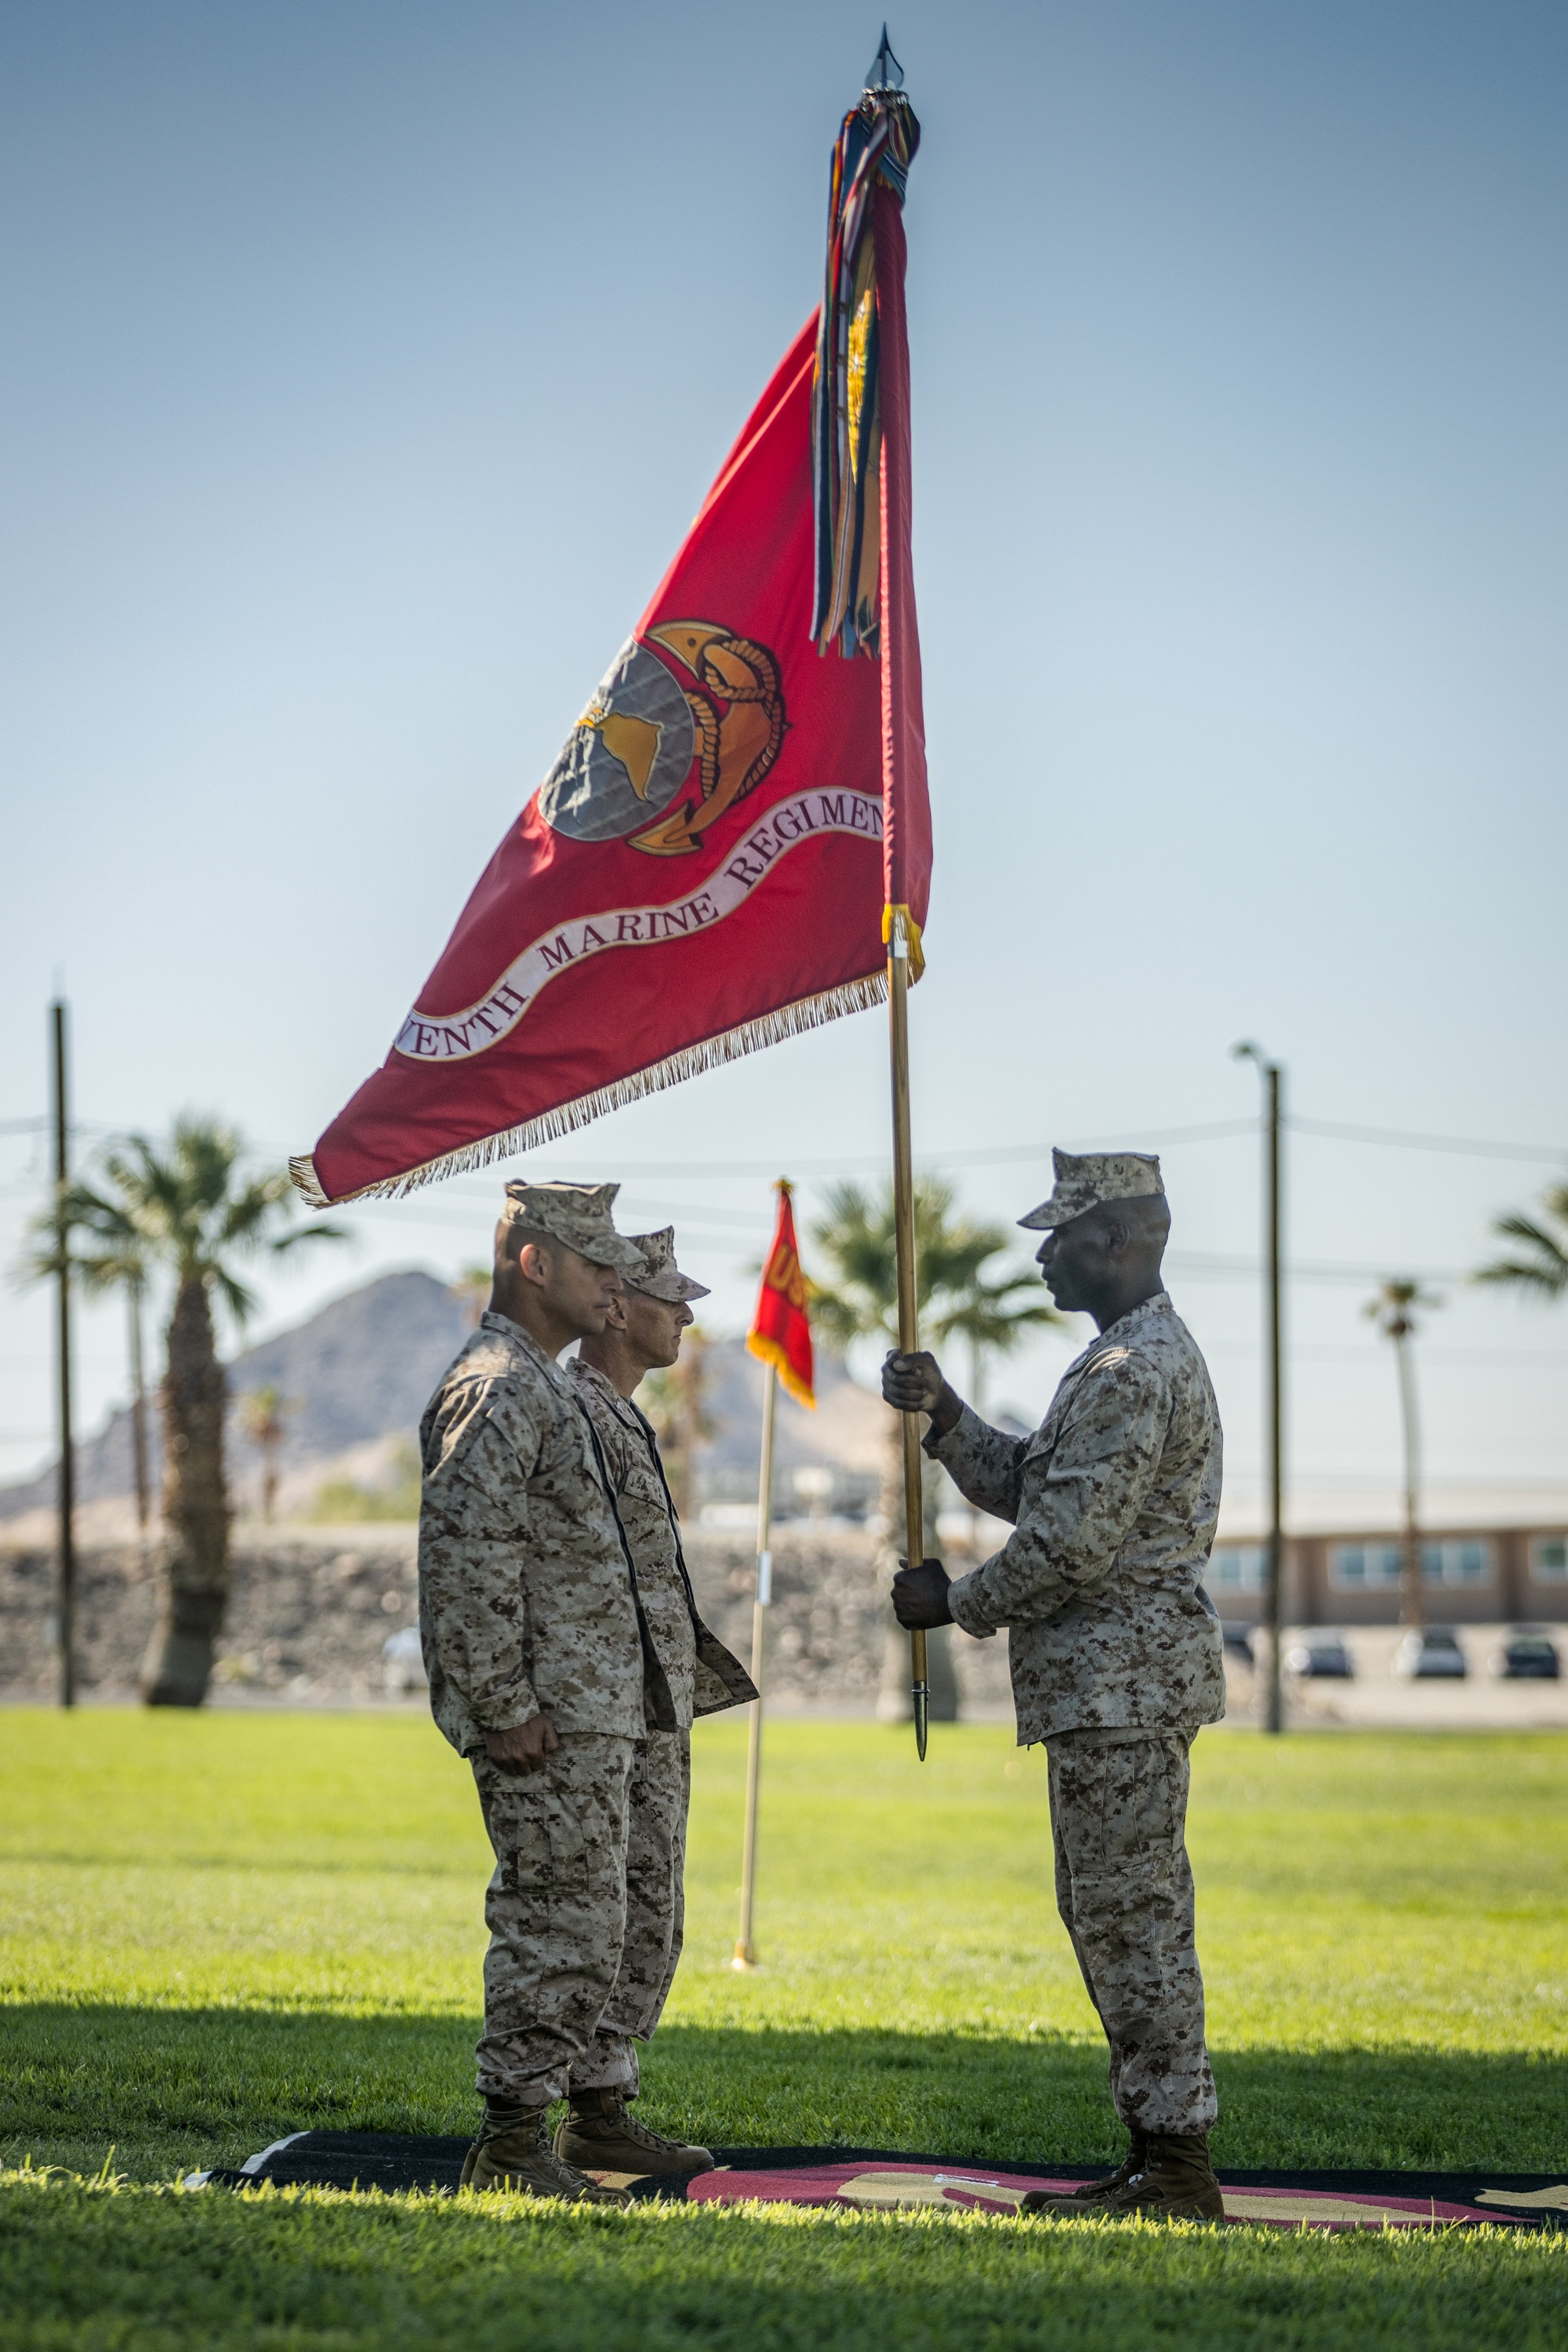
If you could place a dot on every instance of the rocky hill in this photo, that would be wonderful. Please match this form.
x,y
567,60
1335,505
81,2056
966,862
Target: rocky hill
x,y
360,1369
358,1374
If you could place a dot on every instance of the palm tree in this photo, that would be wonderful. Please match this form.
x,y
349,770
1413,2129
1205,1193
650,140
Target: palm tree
x,y
953,1295
1543,1270
262,1415
190,1212
1394,1310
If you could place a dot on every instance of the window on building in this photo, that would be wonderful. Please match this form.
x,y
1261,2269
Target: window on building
x,y
1364,1567
1238,1568
1549,1559
1466,1562
1375,1568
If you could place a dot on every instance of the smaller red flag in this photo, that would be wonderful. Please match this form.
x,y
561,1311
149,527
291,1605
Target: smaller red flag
x,y
780,1327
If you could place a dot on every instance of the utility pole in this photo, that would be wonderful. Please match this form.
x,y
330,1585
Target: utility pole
x,y
1273,1079
66,1598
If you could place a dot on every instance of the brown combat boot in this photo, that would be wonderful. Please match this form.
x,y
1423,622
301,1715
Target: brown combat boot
x,y
514,2151
601,2135
1090,2193
1177,2182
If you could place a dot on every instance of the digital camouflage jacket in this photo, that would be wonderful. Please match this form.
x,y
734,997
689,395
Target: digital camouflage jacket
x,y
702,1675
528,1601
1114,1501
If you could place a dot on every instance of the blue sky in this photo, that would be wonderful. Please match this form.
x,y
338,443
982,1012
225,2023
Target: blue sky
x,y
363,366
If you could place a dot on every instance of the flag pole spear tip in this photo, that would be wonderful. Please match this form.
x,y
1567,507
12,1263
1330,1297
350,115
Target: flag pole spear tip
x,y
886,73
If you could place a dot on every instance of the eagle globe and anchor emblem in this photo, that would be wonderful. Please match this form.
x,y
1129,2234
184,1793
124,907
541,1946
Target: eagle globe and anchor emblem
x,y
650,747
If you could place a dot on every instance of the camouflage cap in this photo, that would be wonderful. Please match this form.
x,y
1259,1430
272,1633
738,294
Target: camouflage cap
x,y
577,1214
662,1277
1085,1179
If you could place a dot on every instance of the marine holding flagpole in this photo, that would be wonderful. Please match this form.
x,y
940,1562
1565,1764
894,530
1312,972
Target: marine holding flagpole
x,y
1116,1652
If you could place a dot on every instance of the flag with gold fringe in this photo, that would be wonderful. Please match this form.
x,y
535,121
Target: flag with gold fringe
x,y
735,826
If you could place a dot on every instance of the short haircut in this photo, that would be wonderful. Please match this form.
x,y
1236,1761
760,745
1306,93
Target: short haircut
x,y
1146,1215
513,1237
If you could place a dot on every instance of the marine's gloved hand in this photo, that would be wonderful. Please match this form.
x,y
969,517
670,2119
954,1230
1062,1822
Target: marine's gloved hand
x,y
919,1595
913,1383
526,1745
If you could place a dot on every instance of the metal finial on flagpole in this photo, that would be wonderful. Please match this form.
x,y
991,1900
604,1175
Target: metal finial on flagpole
x,y
885,73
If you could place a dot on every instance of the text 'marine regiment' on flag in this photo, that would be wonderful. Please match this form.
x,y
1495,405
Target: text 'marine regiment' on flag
x,y
735,821
780,1327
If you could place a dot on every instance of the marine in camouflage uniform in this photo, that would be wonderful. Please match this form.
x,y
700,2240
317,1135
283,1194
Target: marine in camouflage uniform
x,y
701,1676
1116,1660
529,1609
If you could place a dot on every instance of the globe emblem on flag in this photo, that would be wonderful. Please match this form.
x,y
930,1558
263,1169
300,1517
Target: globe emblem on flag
x,y
628,756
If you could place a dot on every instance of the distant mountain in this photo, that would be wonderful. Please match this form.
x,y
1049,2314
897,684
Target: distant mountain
x,y
361,1368
846,1432
360,1372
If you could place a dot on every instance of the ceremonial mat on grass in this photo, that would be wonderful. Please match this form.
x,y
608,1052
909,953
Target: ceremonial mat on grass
x,y
885,2180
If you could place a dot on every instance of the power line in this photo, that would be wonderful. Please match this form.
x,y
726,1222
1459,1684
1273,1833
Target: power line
x,y
1004,1154
1402,1141
1201,1266
1314,1352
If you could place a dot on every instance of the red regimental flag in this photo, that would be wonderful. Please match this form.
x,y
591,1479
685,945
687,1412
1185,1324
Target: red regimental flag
x,y
780,1327
706,866
699,875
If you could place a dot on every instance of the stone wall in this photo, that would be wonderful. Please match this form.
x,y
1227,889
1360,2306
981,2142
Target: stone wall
x,y
312,1611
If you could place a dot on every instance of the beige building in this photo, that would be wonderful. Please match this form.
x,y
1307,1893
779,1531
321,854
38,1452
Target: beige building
x,y
1477,1576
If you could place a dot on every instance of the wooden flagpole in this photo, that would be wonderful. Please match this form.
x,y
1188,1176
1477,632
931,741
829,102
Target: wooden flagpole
x,y
908,1316
745,1950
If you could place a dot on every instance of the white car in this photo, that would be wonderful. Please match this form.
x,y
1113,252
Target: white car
x,y
405,1668
1432,1654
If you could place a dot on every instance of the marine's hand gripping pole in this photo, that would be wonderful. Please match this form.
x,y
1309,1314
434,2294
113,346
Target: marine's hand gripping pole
x,y
909,1318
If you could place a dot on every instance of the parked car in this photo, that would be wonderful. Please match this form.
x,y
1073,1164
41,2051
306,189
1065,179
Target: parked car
x,y
1323,1654
1529,1654
1237,1642
405,1667
1432,1655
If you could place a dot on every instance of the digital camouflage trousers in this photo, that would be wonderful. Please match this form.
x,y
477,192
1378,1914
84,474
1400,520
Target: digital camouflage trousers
x,y
585,1908
1124,1889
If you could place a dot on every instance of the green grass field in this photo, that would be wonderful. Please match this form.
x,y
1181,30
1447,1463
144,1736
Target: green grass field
x,y
216,1929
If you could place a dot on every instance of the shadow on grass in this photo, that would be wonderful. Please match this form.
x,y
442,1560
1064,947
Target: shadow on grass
x,y
170,2087
81,2269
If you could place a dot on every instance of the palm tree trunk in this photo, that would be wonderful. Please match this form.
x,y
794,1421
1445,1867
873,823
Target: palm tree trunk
x,y
1412,1599
179,1659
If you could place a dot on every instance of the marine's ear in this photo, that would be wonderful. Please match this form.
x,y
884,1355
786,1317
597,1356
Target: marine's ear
x,y
534,1257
